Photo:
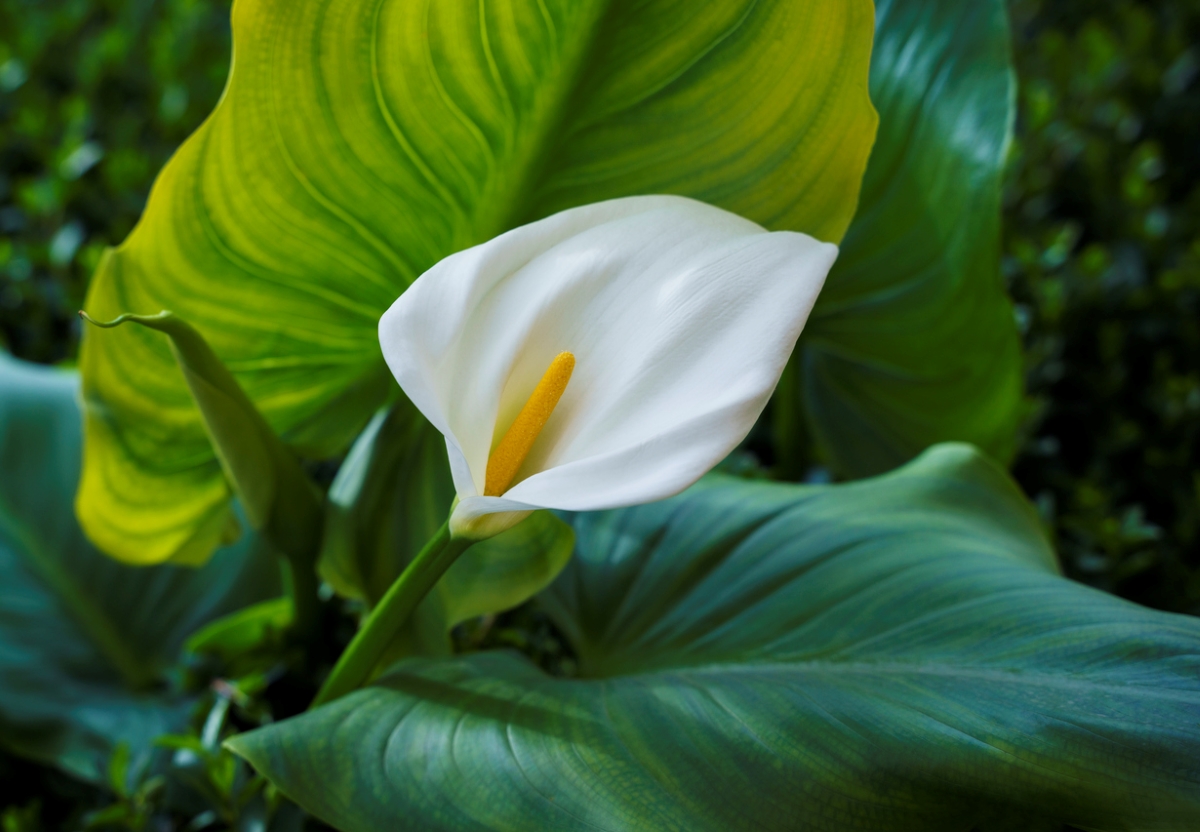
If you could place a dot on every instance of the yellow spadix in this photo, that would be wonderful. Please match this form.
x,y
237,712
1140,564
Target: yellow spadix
x,y
507,456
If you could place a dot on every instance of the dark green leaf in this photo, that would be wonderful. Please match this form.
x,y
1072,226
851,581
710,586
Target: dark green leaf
x,y
913,340
84,640
895,654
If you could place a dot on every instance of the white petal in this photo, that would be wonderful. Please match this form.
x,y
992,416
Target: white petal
x,y
681,317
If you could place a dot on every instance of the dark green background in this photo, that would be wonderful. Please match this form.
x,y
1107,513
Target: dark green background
x,y
1102,253
1102,246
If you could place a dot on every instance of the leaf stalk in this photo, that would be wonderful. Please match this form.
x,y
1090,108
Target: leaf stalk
x,y
389,615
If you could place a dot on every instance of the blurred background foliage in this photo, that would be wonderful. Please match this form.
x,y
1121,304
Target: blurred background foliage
x,y
94,97
1102,256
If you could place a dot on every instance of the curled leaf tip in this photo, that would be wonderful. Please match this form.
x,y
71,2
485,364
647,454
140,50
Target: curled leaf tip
x,y
128,316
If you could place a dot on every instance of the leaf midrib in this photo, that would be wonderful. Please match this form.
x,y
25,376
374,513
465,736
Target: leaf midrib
x,y
97,627
532,166
523,208
895,668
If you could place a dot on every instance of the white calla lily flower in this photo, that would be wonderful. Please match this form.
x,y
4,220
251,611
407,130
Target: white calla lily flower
x,y
605,356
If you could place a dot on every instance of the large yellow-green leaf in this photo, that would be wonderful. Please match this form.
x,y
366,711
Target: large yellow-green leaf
x,y
913,339
899,653
86,643
360,142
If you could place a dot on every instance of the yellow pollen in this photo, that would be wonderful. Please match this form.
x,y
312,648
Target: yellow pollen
x,y
507,457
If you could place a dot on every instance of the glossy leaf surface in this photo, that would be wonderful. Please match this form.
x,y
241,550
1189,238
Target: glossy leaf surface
x,y
360,142
895,654
84,640
913,340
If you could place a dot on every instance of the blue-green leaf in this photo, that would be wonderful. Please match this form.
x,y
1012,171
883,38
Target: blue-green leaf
x,y
913,340
391,494
85,642
894,654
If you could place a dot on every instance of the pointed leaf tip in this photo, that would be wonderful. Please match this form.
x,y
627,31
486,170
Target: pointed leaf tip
x,y
276,493
145,320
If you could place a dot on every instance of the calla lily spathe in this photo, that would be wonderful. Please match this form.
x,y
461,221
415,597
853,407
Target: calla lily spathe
x,y
679,318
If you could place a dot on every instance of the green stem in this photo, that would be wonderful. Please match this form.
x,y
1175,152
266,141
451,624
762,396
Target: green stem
x,y
300,585
389,615
791,433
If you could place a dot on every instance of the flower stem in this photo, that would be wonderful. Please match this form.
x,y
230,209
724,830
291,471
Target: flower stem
x,y
389,615
300,585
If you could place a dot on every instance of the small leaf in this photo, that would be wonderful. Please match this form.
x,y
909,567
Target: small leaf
x,y
503,571
913,340
895,654
494,575
238,633
84,640
118,770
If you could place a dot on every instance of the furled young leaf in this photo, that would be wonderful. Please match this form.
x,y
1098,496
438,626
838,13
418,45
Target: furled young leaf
x,y
391,495
276,494
913,340
360,142
895,654
84,640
